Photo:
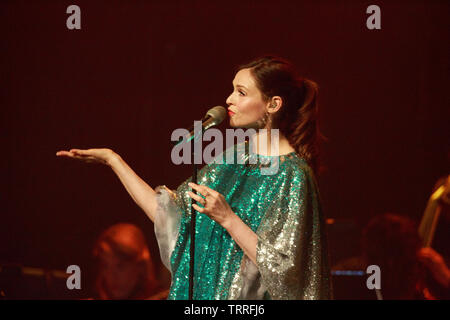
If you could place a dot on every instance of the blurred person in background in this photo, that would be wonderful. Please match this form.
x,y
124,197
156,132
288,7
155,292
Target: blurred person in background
x,y
392,242
124,268
408,270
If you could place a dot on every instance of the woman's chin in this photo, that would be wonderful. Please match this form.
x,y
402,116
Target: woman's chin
x,y
236,124
233,123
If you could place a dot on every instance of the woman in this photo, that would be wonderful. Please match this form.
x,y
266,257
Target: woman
x,y
258,236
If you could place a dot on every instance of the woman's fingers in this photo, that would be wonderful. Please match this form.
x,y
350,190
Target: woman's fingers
x,y
81,152
203,190
197,198
63,153
67,154
70,153
199,209
76,154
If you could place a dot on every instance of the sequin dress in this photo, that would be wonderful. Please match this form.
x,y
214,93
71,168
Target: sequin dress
x,y
283,209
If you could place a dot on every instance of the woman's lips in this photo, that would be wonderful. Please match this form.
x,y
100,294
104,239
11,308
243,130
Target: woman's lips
x,y
230,113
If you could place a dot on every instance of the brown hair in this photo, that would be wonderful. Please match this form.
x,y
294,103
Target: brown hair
x,y
297,118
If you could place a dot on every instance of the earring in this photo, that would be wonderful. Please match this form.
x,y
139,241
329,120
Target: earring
x,y
264,120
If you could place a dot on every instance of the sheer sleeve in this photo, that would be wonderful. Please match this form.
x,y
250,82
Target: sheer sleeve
x,y
172,211
167,222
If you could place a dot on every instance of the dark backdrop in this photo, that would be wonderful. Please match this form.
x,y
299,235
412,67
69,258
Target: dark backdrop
x,y
139,69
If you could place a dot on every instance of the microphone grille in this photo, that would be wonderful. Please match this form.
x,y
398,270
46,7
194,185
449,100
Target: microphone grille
x,y
218,113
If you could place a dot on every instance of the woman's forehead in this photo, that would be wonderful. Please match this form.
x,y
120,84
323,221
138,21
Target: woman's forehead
x,y
244,78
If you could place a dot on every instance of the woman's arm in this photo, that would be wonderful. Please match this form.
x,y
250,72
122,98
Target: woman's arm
x,y
139,190
242,234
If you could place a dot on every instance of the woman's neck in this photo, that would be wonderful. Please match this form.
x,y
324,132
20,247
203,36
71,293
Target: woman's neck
x,y
270,144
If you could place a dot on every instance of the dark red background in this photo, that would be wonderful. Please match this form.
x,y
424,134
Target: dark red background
x,y
137,70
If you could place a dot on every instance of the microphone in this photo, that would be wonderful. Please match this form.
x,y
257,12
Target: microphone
x,y
212,118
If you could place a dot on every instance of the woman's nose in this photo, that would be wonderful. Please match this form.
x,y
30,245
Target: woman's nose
x,y
228,102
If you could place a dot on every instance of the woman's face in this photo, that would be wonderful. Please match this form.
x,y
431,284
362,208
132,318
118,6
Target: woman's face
x,y
245,104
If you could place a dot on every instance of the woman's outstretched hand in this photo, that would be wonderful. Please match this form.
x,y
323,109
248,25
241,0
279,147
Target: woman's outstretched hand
x,y
103,156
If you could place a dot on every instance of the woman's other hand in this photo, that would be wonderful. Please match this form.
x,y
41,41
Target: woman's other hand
x,y
214,204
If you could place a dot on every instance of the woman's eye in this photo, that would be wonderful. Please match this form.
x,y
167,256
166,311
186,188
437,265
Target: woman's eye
x,y
242,93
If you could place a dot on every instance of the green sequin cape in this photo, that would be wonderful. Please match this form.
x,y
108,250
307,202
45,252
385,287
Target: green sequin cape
x,y
283,209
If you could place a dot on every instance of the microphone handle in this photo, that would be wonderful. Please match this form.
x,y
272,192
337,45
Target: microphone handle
x,y
207,123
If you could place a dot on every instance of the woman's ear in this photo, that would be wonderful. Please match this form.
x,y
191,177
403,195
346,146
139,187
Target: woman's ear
x,y
274,104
